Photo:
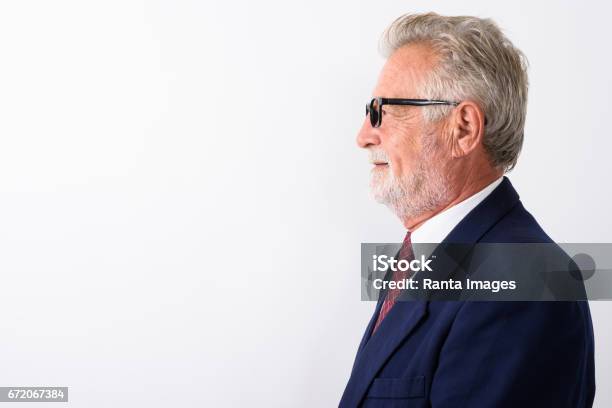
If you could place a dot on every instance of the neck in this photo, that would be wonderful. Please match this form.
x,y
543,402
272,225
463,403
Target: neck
x,y
463,191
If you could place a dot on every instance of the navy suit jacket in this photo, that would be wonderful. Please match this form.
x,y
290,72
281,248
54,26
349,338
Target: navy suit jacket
x,y
479,354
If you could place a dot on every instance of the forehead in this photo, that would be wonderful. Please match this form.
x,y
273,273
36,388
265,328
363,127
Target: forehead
x,y
404,70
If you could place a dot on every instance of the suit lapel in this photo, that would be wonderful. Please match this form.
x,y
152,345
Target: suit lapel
x,y
375,349
368,331
400,321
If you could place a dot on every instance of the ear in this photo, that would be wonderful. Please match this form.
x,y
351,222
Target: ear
x,y
466,128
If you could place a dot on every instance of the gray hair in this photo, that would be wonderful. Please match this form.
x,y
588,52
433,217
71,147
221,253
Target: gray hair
x,y
477,62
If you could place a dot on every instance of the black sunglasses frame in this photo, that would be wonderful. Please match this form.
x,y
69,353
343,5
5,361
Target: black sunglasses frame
x,y
376,115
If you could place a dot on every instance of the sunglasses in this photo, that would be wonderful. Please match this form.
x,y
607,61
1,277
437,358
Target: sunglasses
x,y
374,108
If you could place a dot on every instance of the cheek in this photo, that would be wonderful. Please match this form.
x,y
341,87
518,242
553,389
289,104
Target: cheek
x,y
402,153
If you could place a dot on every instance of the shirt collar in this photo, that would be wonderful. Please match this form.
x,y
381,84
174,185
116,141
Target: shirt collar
x,y
435,229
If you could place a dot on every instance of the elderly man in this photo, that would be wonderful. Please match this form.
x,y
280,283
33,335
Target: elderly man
x,y
446,122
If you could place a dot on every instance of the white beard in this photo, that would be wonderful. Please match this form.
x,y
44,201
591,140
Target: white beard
x,y
425,189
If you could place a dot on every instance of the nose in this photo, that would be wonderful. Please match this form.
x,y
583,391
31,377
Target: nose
x,y
368,136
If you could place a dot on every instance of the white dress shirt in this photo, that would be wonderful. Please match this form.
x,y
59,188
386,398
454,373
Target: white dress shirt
x,y
435,229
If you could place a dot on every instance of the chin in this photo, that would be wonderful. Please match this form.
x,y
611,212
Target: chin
x,y
379,188
384,192
379,196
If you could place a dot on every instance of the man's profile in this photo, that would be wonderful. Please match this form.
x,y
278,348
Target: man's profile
x,y
444,124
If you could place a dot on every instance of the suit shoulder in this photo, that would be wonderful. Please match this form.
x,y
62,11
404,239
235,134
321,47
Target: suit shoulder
x,y
517,226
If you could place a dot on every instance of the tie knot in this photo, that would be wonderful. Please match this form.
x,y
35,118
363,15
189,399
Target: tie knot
x,y
406,250
407,238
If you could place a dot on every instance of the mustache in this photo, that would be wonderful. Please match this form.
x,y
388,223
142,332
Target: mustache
x,y
378,155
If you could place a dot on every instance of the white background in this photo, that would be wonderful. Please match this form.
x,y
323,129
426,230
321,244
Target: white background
x,y
182,199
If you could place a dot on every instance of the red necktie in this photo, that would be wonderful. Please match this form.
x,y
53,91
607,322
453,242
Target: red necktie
x,y
392,294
